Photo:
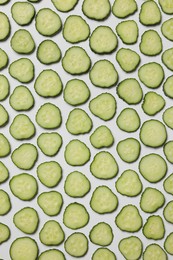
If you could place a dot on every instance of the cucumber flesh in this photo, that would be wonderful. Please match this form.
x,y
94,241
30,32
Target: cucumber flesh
x,y
52,254
4,87
101,234
153,252
154,228
124,8
96,10
150,13
131,247
103,253
76,244
4,233
5,203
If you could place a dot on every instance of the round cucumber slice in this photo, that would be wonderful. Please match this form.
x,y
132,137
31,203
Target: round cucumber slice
x,y
153,103
131,247
5,147
21,99
127,59
150,13
168,184
168,87
168,244
3,2
124,8
3,116
48,52
151,43
167,212
51,254
5,233
4,87
168,117
167,58
128,31
5,203
5,26
128,120
168,151
23,13
167,6
154,228
101,234
103,253
96,10
22,42
152,252
3,59
102,137
166,29
64,6
4,173
49,143
129,149
76,244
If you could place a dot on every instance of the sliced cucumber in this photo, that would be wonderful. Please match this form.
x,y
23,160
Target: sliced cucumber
x,y
5,26
49,143
124,8
103,106
102,137
22,42
103,40
168,151
4,116
131,247
128,59
4,87
75,29
104,166
76,92
77,153
167,6
49,116
167,58
22,127
5,203
103,74
152,167
23,13
154,228
128,31
78,122
129,149
51,233
96,10
49,173
3,59
151,43
21,99
168,87
50,202
151,74
25,156
52,254
103,253
101,234
64,6
75,216
153,103
128,120
5,147
48,52
153,133
166,29
76,244
168,212
154,252
168,117
4,233
22,70
47,22
24,248
168,244
150,13
77,185
3,2
168,184
129,184
76,61
24,186
4,173
103,200
26,220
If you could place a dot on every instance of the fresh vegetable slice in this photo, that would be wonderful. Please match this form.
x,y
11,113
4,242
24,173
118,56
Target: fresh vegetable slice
x,y
4,173
168,184
124,8
3,2
5,202
167,6
131,247
168,87
103,253
48,52
5,147
5,233
129,149
168,117
101,234
49,143
23,13
150,13
166,29
128,59
151,43
5,27
76,244
3,59
64,6
128,31
167,58
96,10
153,252
4,87
154,228
51,254
168,151
128,120
167,212
153,103
4,116
102,137
168,244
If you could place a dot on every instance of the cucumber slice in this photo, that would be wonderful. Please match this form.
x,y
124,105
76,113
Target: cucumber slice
x,y
129,149
168,87
3,59
168,151
153,103
153,133
103,253
22,127
129,219
103,200
150,13
154,228
168,244
50,202
77,153
5,203
21,99
128,31
124,8
26,220
3,116
167,58
22,42
76,244
130,91
23,13
102,137
4,233
4,173
76,61
4,87
78,122
51,233
48,52
52,254
103,106
24,186
96,10
25,156
75,29
128,59
151,74
151,200
76,92
22,70
49,173
103,74
5,26
167,212
131,247
167,6
24,248
153,167
167,117
168,184
49,143
75,216
166,29
103,40
104,166
129,184
101,234
49,116
5,147
151,43
3,2
47,22
153,252
128,120
77,185
64,6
